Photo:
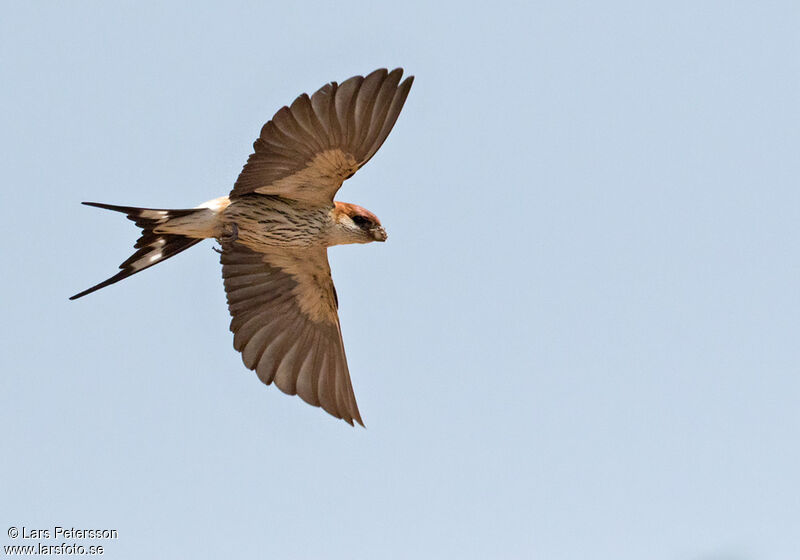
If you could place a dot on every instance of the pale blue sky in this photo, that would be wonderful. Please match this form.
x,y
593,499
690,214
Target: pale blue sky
x,y
580,341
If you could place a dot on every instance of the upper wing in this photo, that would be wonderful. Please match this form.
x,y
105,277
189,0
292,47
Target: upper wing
x,y
307,150
286,326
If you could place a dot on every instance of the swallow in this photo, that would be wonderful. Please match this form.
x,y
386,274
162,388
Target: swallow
x,y
274,229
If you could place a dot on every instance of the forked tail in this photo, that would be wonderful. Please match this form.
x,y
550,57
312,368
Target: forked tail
x,y
152,247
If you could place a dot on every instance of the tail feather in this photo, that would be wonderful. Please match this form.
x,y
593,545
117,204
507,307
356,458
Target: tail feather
x,y
152,247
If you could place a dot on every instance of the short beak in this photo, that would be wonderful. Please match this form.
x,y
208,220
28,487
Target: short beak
x,y
379,234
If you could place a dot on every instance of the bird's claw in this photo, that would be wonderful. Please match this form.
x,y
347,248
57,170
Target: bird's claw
x,y
232,236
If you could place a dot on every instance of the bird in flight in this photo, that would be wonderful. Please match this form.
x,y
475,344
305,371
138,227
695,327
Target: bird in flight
x,y
274,229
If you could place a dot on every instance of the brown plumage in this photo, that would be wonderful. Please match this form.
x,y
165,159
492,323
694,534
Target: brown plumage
x,y
274,229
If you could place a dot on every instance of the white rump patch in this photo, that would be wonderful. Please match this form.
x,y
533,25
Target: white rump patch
x,y
216,204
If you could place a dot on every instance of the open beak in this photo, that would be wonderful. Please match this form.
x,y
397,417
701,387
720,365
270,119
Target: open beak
x,y
379,234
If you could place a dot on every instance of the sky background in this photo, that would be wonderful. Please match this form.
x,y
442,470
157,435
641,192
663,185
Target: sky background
x,y
580,341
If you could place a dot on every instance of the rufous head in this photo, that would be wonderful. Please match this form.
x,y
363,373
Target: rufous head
x,y
358,224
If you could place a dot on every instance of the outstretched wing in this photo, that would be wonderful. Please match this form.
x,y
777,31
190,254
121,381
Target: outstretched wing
x,y
308,149
286,325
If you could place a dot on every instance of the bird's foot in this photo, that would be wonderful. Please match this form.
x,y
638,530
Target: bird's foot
x,y
232,236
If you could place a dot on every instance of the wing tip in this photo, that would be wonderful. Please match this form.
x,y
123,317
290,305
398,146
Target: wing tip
x,y
352,421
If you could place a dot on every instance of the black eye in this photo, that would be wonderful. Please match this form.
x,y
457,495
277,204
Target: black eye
x,y
360,221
